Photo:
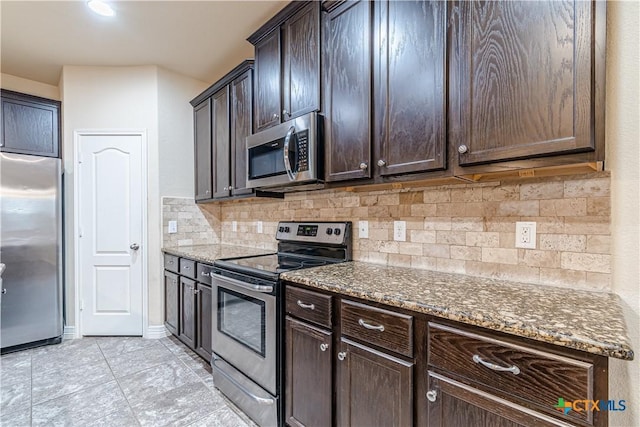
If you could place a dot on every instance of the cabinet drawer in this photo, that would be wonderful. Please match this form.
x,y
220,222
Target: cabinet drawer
x,y
531,375
171,263
188,268
203,272
386,329
308,305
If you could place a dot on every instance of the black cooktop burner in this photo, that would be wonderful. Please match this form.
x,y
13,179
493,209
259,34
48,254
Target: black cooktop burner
x,y
274,263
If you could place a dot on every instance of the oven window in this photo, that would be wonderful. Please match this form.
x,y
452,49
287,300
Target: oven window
x,y
266,160
242,318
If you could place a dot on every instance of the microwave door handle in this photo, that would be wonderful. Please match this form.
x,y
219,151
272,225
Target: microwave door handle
x,y
287,162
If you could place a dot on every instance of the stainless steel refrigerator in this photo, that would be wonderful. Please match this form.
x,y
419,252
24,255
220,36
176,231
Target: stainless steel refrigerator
x,y
31,249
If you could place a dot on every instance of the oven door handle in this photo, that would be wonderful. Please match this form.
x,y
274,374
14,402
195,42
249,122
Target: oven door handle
x,y
260,400
257,288
287,161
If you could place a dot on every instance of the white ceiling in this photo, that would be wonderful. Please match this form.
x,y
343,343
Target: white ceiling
x,y
200,39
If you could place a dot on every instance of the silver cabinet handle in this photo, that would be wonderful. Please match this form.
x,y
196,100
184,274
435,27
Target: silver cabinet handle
x,y
230,187
276,116
205,274
432,395
513,369
285,113
225,188
342,355
306,306
207,192
4,291
463,149
134,246
175,282
196,291
381,163
171,262
324,347
186,267
370,326
363,166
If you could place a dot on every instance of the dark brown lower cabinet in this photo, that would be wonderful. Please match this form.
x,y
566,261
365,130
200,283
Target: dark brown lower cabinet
x,y
171,301
373,388
187,330
308,375
203,320
454,404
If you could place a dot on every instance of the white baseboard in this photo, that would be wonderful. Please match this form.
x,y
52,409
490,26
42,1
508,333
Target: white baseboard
x,y
69,333
156,331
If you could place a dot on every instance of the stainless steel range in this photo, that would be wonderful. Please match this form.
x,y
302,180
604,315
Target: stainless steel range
x,y
248,318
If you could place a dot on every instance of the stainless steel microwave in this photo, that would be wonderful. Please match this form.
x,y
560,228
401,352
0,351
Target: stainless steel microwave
x,y
287,157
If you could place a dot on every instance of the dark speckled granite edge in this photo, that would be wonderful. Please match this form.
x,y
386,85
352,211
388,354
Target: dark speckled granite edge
x,y
603,348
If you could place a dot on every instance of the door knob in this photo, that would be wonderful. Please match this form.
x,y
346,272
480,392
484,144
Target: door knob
x,y
134,246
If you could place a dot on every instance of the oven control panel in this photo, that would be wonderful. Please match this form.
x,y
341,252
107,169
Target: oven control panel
x,y
332,233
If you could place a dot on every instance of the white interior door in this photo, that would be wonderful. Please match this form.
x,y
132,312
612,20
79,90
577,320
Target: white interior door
x,y
110,231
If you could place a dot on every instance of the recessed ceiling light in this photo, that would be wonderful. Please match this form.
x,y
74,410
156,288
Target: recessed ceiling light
x,y
101,8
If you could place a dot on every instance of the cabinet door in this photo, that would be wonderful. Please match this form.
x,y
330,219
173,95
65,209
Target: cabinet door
x,y
410,86
221,142
308,375
520,79
29,125
268,81
171,302
374,389
301,57
203,323
241,126
187,323
202,130
454,404
348,55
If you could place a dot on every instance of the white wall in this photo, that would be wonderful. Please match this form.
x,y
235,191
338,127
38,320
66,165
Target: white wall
x,y
111,98
175,124
18,84
623,159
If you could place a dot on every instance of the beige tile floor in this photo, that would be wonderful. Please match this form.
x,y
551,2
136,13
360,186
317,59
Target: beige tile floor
x,y
112,381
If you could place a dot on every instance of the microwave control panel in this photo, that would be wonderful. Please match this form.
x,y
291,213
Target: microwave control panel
x,y
303,150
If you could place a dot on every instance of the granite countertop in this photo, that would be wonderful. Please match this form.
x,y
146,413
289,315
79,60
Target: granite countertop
x,y
583,320
210,253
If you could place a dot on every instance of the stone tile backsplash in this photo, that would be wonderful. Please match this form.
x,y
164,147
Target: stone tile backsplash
x,y
195,226
461,228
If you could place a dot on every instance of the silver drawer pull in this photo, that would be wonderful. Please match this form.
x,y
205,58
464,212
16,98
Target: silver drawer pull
x,y
513,369
432,395
342,355
186,267
307,306
205,274
369,326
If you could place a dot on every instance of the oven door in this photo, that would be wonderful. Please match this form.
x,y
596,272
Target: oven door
x,y
244,328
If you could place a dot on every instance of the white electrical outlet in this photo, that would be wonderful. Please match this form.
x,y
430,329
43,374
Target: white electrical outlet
x,y
363,229
173,227
259,227
234,225
526,235
400,231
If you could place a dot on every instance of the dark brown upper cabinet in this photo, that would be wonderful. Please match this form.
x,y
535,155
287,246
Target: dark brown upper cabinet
x,y
409,87
347,82
29,125
526,80
202,136
223,119
400,47
287,51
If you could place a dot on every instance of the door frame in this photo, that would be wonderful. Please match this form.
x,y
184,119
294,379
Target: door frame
x,y
77,135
